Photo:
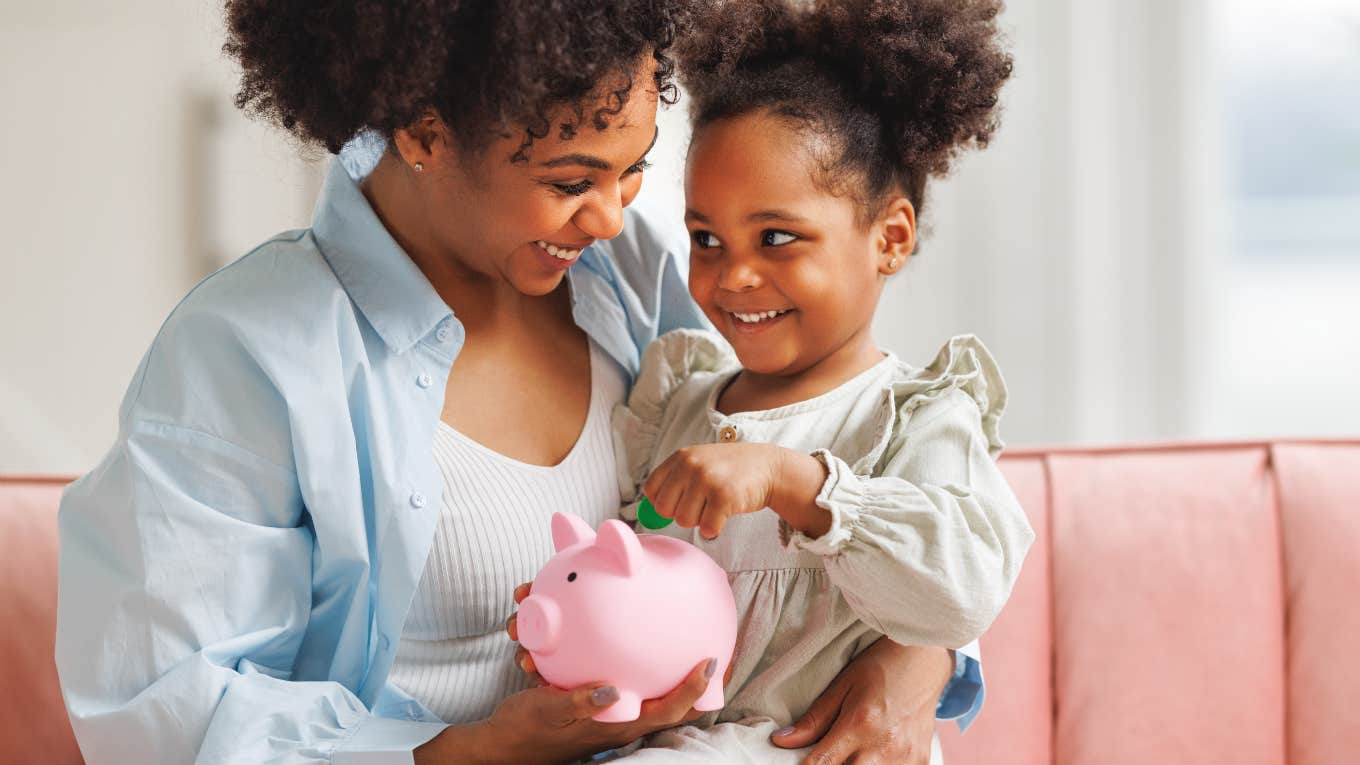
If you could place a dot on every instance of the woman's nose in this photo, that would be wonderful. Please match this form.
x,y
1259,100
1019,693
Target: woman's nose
x,y
602,216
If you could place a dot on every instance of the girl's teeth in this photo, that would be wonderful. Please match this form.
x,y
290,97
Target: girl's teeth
x,y
558,252
754,318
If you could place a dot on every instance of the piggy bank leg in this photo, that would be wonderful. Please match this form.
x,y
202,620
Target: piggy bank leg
x,y
712,699
626,709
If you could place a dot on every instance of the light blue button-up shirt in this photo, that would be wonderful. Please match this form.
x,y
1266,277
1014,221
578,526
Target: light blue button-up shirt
x,y
236,571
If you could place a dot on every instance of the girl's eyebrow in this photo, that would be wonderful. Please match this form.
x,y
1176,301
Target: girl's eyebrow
x,y
592,161
691,214
776,215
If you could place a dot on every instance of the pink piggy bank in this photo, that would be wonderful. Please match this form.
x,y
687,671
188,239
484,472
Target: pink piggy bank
x,y
637,612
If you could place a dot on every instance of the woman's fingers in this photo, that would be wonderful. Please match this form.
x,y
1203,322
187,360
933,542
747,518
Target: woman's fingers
x,y
522,592
814,723
676,706
525,661
512,627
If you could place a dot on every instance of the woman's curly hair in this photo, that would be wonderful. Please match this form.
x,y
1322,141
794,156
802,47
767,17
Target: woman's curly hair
x,y
895,88
327,70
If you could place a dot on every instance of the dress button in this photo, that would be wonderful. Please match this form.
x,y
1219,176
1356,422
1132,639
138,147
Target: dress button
x,y
424,381
417,500
728,434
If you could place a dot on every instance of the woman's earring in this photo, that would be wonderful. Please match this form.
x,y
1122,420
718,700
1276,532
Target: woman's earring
x,y
419,166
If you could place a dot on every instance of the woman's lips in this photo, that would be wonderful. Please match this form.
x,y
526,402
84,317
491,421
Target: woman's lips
x,y
555,257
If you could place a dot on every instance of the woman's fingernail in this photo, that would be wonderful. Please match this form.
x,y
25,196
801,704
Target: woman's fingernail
x,y
710,668
604,696
524,664
784,732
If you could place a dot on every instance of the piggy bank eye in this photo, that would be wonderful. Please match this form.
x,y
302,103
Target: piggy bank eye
x,y
571,577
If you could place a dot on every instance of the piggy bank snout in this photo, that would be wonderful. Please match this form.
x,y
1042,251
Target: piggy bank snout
x,y
539,624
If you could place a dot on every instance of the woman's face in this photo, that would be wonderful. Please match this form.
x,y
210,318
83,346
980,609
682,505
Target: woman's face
x,y
786,271
525,222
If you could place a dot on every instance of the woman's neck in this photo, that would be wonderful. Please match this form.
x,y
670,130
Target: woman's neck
x,y
479,299
751,391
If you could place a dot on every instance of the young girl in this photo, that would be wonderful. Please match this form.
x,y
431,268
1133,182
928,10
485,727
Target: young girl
x,y
848,493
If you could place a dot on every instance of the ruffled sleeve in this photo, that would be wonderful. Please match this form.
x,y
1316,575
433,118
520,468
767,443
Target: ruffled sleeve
x,y
927,539
666,364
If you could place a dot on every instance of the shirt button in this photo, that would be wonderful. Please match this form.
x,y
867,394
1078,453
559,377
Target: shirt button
x,y
424,381
417,500
728,434
442,333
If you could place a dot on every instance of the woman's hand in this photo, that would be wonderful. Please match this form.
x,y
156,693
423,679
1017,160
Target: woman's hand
x,y
550,725
706,485
880,709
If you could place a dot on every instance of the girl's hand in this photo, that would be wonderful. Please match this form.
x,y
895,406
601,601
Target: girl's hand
x,y
879,709
706,485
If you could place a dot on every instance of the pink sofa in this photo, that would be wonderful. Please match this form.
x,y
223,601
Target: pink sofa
x,y
1182,604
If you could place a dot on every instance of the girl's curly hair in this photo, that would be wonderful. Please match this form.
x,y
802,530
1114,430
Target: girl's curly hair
x,y
327,70
895,88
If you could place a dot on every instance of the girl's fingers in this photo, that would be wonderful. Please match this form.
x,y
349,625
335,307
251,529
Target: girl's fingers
x,y
691,508
656,485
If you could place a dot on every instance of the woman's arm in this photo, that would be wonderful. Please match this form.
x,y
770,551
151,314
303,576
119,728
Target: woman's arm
x,y
185,589
879,709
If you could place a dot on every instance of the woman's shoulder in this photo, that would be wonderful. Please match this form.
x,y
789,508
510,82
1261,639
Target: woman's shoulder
x,y
244,332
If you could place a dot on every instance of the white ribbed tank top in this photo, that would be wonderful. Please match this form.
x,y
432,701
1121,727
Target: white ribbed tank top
x,y
493,535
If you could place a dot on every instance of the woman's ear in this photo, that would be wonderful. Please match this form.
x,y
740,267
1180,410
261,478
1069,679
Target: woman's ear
x,y
425,144
897,235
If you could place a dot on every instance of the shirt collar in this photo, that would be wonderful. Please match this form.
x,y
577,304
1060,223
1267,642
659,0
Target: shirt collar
x,y
375,271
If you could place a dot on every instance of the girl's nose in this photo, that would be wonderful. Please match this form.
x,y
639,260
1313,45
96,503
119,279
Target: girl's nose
x,y
738,275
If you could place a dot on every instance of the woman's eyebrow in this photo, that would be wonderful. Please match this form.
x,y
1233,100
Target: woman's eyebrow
x,y
592,161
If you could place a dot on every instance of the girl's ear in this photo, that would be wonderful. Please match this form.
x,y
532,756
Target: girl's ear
x,y
897,235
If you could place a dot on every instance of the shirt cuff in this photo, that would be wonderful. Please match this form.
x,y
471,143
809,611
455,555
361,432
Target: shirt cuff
x,y
384,741
840,497
963,695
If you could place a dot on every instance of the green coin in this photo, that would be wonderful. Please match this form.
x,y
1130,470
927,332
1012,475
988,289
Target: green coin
x,y
649,517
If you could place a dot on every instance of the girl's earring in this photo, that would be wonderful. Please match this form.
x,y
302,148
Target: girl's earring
x,y
419,166
892,264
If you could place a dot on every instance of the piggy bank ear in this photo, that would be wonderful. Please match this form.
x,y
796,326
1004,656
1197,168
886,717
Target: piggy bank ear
x,y
569,530
617,539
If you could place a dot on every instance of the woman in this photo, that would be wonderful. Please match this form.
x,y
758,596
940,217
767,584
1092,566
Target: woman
x,y
337,458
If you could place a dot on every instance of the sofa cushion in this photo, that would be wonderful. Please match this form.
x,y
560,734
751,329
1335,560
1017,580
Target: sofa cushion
x,y
33,722
1168,611
1321,503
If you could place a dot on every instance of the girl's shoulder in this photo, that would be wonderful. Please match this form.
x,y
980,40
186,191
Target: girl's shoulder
x,y
691,359
962,381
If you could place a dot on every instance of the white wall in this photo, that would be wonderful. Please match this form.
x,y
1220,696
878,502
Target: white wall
x,y
1086,246
115,118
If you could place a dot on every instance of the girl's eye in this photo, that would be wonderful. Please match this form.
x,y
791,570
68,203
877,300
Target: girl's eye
x,y
573,189
706,239
776,238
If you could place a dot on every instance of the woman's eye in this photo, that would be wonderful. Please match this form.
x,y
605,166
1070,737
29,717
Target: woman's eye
x,y
705,239
776,238
574,189
639,167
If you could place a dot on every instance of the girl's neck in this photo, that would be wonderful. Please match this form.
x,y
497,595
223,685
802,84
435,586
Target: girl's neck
x,y
752,391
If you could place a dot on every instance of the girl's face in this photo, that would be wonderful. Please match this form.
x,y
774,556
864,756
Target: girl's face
x,y
526,222
785,271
